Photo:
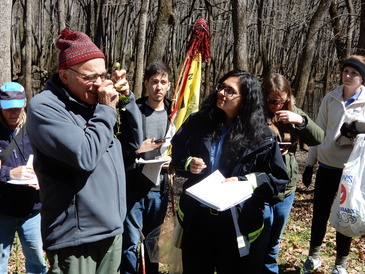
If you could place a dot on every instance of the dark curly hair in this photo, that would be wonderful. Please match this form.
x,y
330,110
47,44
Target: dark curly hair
x,y
249,126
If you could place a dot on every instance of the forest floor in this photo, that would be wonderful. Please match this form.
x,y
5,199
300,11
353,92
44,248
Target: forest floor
x,y
295,242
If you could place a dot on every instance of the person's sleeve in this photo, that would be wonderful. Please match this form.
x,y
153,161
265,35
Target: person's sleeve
x,y
271,176
5,173
310,133
57,134
131,135
181,152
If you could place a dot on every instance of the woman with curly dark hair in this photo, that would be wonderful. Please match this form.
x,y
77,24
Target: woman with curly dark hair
x,y
229,134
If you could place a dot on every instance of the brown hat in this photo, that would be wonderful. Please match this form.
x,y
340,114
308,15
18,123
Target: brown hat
x,y
76,47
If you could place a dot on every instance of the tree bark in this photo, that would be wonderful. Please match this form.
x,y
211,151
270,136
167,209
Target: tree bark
x,y
5,45
240,52
142,26
302,77
61,14
361,44
28,50
165,20
262,48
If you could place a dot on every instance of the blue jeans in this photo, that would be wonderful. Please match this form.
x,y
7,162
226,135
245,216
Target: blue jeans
x,y
275,218
29,232
146,214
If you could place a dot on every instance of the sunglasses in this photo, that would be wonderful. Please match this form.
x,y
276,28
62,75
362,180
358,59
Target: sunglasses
x,y
277,101
93,77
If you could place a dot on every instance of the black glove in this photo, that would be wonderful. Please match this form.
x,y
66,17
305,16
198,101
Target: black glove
x,y
349,130
307,176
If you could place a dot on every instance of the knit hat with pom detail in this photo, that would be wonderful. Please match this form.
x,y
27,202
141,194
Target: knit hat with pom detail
x,y
75,47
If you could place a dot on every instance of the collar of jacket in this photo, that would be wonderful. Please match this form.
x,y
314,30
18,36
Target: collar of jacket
x,y
338,92
55,84
167,103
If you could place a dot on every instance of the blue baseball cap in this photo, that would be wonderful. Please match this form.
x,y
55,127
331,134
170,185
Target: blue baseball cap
x,y
12,95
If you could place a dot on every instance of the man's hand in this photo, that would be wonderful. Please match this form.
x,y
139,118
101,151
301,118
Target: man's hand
x,y
22,173
107,95
121,82
307,176
148,145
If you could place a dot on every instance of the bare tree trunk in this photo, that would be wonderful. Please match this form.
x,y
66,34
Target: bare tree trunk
x,y
337,27
141,40
266,65
361,44
350,29
28,49
61,14
240,52
165,20
100,28
302,78
5,34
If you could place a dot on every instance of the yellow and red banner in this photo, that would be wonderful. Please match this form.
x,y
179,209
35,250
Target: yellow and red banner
x,y
191,94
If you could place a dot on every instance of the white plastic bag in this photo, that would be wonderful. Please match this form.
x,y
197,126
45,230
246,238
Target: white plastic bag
x,y
348,209
163,245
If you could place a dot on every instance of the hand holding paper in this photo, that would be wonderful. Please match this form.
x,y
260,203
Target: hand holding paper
x,y
219,195
23,175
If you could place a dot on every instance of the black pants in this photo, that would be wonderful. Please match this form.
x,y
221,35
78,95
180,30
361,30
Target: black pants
x,y
327,182
211,245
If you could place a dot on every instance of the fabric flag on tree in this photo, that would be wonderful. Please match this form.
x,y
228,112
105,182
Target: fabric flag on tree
x,y
187,91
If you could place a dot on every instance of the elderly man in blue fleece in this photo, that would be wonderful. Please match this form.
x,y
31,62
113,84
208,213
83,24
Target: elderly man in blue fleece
x,y
78,161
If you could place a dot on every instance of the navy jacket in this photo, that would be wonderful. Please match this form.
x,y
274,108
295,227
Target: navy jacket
x,y
79,166
16,200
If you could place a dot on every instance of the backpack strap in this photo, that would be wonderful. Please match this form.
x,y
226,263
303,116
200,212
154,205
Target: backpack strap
x,y
6,153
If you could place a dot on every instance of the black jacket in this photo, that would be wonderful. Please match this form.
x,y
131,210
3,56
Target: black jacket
x,y
138,185
264,159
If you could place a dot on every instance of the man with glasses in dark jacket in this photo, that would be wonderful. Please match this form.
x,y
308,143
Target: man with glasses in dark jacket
x,y
78,160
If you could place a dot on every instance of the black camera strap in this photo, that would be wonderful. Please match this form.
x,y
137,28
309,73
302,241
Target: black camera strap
x,y
6,153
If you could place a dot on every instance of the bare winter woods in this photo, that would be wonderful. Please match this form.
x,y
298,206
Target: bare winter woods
x,y
303,40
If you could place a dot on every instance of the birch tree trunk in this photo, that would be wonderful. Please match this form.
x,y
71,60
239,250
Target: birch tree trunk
x,y
5,34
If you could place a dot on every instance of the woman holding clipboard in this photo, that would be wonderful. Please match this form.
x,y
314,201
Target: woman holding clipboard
x,y
229,134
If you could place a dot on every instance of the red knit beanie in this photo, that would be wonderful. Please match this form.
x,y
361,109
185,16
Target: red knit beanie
x,y
76,47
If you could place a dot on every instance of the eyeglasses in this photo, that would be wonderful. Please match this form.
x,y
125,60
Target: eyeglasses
x,y
228,91
93,77
277,101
